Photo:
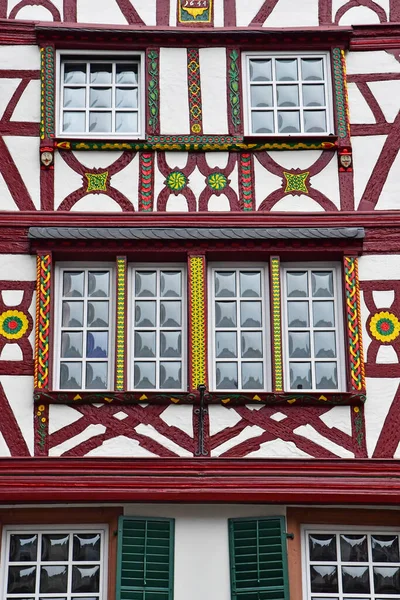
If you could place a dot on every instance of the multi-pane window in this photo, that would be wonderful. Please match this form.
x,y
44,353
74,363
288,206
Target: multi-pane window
x,y
84,332
351,565
238,328
158,318
100,96
311,332
238,315
287,94
45,564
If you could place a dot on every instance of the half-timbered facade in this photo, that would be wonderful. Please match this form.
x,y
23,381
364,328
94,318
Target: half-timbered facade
x,y
199,299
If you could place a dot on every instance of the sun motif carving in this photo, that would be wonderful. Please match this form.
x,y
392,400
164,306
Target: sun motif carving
x,y
13,324
176,181
385,327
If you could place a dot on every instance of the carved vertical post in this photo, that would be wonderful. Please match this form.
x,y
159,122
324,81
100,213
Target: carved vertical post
x,y
42,347
197,322
354,335
120,338
276,325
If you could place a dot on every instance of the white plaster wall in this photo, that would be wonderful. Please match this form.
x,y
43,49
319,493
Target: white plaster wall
x,y
387,94
106,11
380,395
379,266
390,198
28,107
366,150
96,203
25,154
360,15
21,57
336,4
201,540
174,101
290,13
377,61
300,203
218,13
18,267
360,112
213,90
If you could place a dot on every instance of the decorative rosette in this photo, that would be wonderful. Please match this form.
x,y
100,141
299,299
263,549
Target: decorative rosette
x,y
385,327
176,181
13,324
217,181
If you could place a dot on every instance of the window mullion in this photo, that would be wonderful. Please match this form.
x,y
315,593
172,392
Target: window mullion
x,y
276,324
197,321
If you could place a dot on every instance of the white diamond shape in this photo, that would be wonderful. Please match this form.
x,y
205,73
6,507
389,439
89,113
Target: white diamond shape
x,y
278,416
120,415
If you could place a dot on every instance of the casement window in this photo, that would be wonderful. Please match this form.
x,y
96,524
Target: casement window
x,y
85,328
258,559
100,95
238,335
145,559
351,563
240,330
287,94
48,562
158,328
312,328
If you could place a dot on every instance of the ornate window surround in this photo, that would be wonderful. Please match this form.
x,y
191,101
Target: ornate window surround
x,y
198,255
52,38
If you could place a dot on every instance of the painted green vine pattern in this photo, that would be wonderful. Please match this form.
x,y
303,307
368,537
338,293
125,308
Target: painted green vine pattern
x,y
340,93
234,88
153,91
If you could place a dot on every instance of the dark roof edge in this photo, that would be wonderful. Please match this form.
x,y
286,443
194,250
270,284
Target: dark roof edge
x,y
194,233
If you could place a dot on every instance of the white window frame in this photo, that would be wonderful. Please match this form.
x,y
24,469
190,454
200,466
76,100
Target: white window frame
x,y
158,267
86,56
9,530
58,287
247,56
265,329
339,326
338,530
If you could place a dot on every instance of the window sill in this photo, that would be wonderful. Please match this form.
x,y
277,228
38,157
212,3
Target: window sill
x,y
211,398
188,142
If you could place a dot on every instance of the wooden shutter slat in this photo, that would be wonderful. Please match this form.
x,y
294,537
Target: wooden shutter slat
x,y
145,559
258,559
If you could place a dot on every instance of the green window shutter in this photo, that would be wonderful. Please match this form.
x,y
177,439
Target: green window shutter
x,y
258,559
145,559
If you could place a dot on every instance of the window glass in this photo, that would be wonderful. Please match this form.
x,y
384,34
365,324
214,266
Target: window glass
x,y
49,564
288,95
311,335
238,323
100,96
352,564
158,328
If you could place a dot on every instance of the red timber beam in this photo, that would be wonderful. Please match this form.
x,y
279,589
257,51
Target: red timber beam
x,y
199,480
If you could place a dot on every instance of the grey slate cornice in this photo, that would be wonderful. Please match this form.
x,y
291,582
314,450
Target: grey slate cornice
x,y
195,233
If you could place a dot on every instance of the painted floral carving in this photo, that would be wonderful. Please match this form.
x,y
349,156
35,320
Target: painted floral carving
x,y
13,324
384,326
217,181
176,181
